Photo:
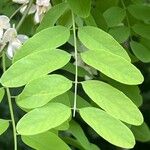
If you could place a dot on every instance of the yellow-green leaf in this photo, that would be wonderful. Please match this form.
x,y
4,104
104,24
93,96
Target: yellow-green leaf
x,y
42,90
113,101
111,129
96,39
113,66
49,38
42,119
34,66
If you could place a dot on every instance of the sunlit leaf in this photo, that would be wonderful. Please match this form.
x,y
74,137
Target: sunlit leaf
x,y
111,129
113,101
113,66
49,38
33,66
43,119
96,39
40,91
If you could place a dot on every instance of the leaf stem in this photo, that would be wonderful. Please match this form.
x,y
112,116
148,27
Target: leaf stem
x,y
10,105
76,65
16,11
24,15
127,19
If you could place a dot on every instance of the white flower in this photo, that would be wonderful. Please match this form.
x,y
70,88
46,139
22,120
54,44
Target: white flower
x,y
21,1
44,3
14,41
42,6
31,11
4,24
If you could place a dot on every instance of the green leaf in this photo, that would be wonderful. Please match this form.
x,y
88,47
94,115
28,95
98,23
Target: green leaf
x,y
34,66
113,66
141,12
80,7
96,39
78,133
142,30
52,16
2,92
42,90
141,133
114,16
120,33
43,119
113,101
111,129
45,141
131,91
140,51
4,124
49,38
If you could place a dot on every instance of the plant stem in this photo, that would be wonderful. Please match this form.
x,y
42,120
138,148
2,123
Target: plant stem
x,y
16,11
76,65
10,105
127,19
24,15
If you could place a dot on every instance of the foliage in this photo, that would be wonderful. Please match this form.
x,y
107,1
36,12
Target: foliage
x,y
79,66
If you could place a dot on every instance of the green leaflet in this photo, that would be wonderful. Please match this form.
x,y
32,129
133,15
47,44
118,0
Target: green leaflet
x,y
131,91
114,16
142,29
42,90
141,133
2,92
111,129
140,51
113,101
49,38
33,66
96,39
120,33
113,66
80,7
4,124
45,141
52,16
43,119
78,133
139,11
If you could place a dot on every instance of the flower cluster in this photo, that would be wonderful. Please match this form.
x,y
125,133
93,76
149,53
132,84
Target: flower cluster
x,y
8,35
40,8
